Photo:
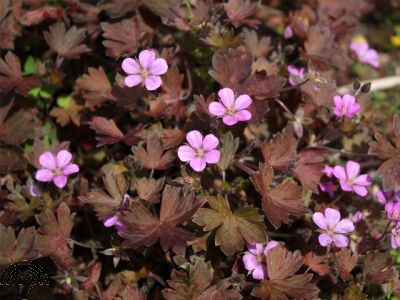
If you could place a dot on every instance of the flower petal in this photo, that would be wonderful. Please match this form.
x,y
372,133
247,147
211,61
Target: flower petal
x,y
332,217
344,226
256,249
60,181
349,100
339,173
340,240
362,180
63,158
133,80
152,82
243,115
146,58
320,220
270,245
70,169
324,239
345,186
360,190
48,160
110,220
198,164
186,153
338,101
195,139
212,156
260,272
293,70
210,142
230,120
227,97
158,67
130,66
352,169
217,109
249,261
44,175
242,102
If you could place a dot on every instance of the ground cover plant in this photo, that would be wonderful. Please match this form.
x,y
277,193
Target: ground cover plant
x,y
199,149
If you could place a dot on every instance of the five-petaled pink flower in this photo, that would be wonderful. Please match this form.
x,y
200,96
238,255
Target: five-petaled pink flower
x,y
365,54
350,180
393,211
56,168
232,110
296,75
254,259
145,70
200,150
395,237
333,230
346,106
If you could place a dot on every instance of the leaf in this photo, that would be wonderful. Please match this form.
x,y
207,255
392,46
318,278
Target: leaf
x,y
39,147
149,189
66,43
233,229
321,48
354,292
125,37
171,87
283,283
9,28
240,11
108,132
117,9
188,285
12,249
54,234
153,158
11,159
389,170
309,167
346,262
378,268
282,200
195,283
94,87
11,76
228,150
280,151
130,293
106,203
19,126
257,47
145,229
71,113
319,93
234,70
92,278
172,138
317,263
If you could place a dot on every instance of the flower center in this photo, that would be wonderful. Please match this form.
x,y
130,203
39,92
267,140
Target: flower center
x,y
200,152
395,215
57,172
144,73
344,110
230,111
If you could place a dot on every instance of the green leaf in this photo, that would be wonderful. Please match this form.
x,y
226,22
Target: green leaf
x,y
30,66
42,92
63,101
228,150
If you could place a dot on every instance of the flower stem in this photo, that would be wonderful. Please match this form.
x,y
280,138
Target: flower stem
x,y
189,8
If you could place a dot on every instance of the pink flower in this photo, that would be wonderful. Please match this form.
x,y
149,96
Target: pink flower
x,y
395,237
349,179
113,218
254,259
200,150
56,168
147,69
345,106
328,170
365,54
232,110
388,196
333,229
327,187
357,217
288,33
393,211
296,75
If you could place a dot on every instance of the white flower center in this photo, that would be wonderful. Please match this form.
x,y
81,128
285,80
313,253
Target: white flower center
x,y
200,152
230,111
